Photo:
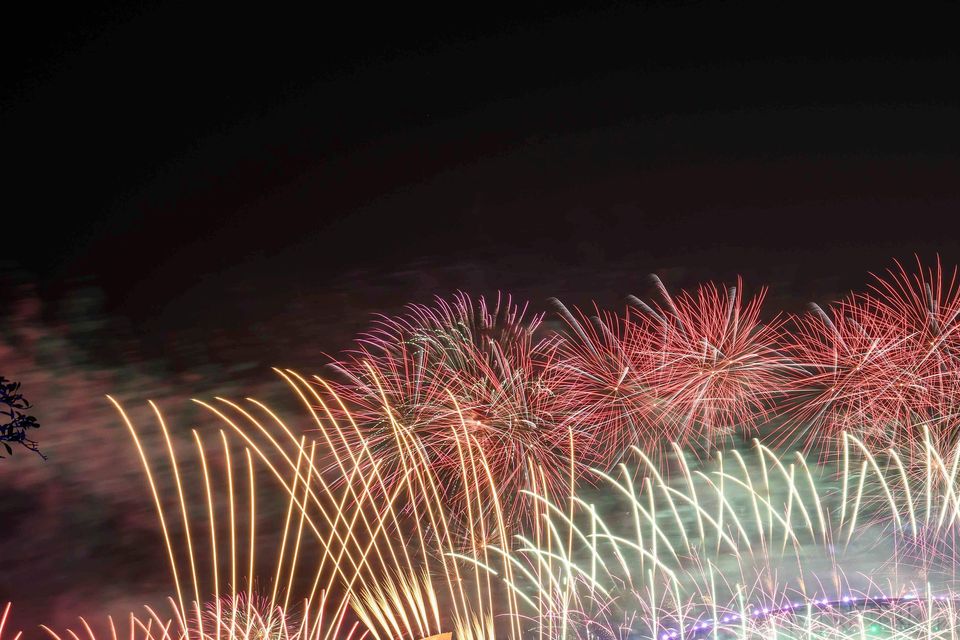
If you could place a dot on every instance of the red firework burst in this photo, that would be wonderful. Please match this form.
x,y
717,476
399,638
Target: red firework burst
x,y
604,383
686,369
925,308
882,365
468,384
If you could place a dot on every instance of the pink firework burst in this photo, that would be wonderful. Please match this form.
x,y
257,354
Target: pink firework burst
x,y
685,369
604,382
925,308
470,385
717,367
882,365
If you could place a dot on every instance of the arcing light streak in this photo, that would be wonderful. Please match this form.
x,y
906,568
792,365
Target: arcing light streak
x,y
220,607
702,541
705,542
452,498
3,622
358,548
458,375
845,604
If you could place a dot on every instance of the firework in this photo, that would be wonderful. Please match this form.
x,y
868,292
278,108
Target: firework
x,y
349,563
715,363
227,618
685,369
463,473
418,540
882,364
3,622
604,382
848,618
732,544
441,383
214,547
398,607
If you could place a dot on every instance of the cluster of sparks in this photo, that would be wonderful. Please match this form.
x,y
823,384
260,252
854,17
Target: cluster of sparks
x,y
734,544
686,369
459,377
462,460
691,368
883,363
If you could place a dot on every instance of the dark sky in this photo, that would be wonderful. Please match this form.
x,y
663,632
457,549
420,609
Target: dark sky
x,y
184,157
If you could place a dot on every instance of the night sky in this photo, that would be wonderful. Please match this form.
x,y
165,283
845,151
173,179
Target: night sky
x,y
166,149
220,174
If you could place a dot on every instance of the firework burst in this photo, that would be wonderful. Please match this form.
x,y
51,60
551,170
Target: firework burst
x,y
718,367
350,562
604,382
739,544
454,383
248,615
442,491
685,369
884,364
